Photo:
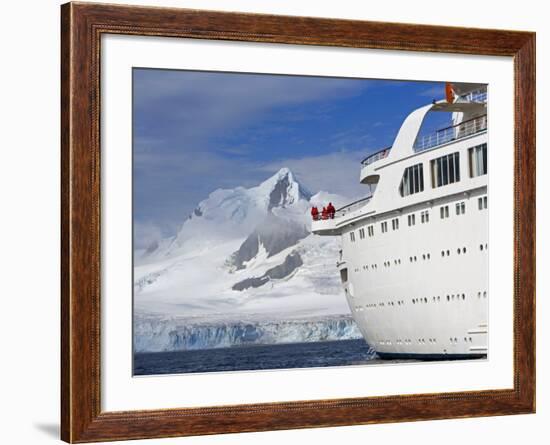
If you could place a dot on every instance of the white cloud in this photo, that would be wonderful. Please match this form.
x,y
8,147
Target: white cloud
x,y
205,104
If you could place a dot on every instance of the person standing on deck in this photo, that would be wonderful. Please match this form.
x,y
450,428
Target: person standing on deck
x,y
315,213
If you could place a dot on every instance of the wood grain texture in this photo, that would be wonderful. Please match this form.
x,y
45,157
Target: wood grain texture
x,y
81,28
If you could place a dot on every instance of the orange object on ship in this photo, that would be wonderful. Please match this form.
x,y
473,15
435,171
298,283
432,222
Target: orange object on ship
x,y
449,93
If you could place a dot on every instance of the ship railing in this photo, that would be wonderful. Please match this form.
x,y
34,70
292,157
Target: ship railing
x,y
352,207
342,211
452,133
475,96
381,154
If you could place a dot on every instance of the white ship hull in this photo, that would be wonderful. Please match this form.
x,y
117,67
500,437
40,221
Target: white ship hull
x,y
417,295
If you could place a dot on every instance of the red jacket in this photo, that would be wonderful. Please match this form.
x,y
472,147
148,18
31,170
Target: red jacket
x,y
314,212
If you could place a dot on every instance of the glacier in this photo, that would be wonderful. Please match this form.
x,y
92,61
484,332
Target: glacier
x,y
159,334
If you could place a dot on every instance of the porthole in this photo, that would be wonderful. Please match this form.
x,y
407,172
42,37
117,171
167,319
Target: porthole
x,y
485,294
464,250
463,296
425,300
448,253
481,247
458,250
448,298
428,256
442,253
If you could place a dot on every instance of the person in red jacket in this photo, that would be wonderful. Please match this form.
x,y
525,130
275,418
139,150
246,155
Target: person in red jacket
x,y
331,210
315,213
324,213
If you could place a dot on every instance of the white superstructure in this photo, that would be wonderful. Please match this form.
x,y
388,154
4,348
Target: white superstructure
x,y
414,254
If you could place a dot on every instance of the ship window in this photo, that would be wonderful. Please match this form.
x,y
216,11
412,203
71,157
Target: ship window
x,y
425,216
444,212
344,275
362,233
352,237
482,203
395,223
412,181
411,219
445,170
384,227
478,160
370,230
460,208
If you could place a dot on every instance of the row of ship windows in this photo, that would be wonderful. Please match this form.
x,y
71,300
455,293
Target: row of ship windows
x,y
420,300
413,259
423,341
444,170
460,209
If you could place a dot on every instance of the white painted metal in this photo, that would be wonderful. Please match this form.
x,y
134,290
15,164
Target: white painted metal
x,y
419,289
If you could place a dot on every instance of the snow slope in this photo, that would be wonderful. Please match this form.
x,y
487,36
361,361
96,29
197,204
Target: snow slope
x,y
242,254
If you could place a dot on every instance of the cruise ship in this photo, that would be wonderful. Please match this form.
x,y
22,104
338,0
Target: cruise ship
x,y
414,258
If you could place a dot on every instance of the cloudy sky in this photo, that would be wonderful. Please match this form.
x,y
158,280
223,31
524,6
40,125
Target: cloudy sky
x,y
196,131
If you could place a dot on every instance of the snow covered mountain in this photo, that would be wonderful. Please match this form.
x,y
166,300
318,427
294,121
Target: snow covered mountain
x,y
243,254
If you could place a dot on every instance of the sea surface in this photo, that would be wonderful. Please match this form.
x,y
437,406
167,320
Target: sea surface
x,y
293,355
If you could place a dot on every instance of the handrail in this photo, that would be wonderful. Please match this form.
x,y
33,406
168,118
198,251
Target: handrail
x,y
479,96
380,154
351,204
344,210
451,133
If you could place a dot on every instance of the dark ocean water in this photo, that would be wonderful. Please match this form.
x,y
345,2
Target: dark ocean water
x,y
295,355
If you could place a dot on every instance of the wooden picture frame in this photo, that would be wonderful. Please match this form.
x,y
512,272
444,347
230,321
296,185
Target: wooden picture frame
x,y
82,26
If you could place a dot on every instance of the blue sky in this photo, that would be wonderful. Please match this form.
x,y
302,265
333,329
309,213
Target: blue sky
x,y
196,131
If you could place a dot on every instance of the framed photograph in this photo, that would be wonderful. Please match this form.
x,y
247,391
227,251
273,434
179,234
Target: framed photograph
x,y
274,222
